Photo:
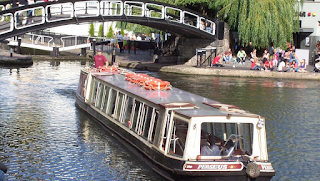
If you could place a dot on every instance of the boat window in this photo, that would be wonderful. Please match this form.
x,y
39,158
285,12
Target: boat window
x,y
111,104
103,96
168,117
82,83
118,105
123,108
128,111
147,121
226,139
99,95
95,92
178,137
153,125
104,103
141,119
136,114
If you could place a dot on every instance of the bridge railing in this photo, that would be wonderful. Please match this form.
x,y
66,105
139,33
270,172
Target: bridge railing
x,y
40,13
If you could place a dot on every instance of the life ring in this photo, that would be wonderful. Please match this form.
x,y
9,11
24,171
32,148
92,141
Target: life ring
x,y
134,79
141,80
157,84
108,69
129,76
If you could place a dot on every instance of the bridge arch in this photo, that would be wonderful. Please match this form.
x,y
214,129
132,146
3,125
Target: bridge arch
x,y
170,18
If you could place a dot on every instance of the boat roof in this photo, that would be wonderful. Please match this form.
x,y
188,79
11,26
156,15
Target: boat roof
x,y
175,98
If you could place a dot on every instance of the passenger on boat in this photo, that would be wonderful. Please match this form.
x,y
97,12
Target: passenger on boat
x,y
100,59
227,148
210,148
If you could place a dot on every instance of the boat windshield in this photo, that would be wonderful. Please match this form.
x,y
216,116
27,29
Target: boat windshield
x,y
226,139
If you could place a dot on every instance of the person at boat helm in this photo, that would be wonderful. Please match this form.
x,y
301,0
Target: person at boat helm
x,y
227,148
100,60
211,148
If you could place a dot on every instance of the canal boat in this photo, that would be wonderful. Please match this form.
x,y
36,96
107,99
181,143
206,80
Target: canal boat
x,y
180,135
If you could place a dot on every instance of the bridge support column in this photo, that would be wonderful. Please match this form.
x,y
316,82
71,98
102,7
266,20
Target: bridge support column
x,y
113,55
55,52
19,46
84,52
94,46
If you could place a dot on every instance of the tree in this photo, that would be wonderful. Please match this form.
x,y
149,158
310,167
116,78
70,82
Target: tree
x,y
262,22
91,30
110,32
135,27
122,32
100,32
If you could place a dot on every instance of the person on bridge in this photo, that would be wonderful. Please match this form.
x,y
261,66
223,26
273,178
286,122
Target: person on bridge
x,y
120,41
100,60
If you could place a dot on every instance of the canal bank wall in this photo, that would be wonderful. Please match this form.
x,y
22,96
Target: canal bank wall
x,y
145,63
8,59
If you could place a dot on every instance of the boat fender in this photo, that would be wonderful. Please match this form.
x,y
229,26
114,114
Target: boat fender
x,y
253,170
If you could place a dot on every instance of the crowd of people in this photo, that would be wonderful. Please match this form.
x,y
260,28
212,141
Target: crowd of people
x,y
272,59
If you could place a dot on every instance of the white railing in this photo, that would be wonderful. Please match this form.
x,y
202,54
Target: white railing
x,y
35,39
111,8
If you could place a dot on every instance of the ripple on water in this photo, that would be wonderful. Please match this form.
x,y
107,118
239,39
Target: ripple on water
x,y
45,137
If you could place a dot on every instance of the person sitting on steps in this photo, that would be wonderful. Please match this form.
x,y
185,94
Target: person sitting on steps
x,y
241,56
217,61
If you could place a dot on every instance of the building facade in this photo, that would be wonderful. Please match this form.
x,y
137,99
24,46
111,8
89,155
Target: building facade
x,y
309,33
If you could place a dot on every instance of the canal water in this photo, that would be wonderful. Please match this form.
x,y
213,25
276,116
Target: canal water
x,y
44,136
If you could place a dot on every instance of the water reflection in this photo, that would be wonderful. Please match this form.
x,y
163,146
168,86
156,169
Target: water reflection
x,y
45,137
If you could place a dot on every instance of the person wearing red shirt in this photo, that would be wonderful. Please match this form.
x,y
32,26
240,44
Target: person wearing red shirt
x,y
254,65
100,59
216,61
268,65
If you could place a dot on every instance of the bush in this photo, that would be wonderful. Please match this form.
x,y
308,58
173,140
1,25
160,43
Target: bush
x,y
91,30
122,32
110,32
100,32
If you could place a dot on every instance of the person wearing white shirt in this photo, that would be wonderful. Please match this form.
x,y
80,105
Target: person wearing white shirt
x,y
139,37
120,41
282,67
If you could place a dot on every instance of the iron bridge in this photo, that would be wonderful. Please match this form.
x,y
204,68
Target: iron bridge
x,y
169,18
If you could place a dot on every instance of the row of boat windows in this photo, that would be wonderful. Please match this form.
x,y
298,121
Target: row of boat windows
x,y
134,114
139,117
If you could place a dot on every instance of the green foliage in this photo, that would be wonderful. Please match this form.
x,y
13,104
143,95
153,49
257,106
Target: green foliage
x,y
110,32
136,28
91,30
122,32
260,21
100,32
